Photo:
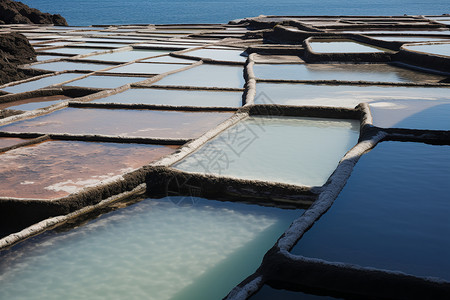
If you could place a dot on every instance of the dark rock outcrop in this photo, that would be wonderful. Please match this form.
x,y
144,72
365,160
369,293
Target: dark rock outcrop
x,y
15,50
12,12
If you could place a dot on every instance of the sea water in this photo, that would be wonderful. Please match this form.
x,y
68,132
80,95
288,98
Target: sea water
x,y
85,12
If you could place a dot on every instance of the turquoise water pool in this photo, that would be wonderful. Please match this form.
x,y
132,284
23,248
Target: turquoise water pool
x,y
154,249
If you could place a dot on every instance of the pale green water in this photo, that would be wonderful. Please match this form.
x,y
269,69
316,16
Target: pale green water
x,y
294,150
199,249
40,83
342,95
392,214
176,97
207,76
350,72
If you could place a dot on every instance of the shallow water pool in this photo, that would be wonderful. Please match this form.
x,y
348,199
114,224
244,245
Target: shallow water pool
x,y
350,72
413,114
40,83
341,46
67,65
342,95
34,103
122,122
218,54
126,56
437,49
146,68
219,76
105,82
172,248
7,141
392,214
294,150
176,98
169,59
54,169
73,50
269,293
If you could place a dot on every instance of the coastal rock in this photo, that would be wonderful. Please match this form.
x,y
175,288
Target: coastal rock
x,y
15,50
12,12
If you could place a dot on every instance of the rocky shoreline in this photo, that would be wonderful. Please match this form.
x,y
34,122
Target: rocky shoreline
x,y
15,49
12,12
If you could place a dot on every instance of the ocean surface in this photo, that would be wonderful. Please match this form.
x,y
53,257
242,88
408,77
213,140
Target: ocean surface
x,y
90,12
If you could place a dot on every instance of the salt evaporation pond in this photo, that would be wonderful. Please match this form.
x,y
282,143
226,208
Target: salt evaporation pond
x,y
409,39
350,72
218,54
54,169
125,56
105,82
48,57
7,141
73,50
269,293
342,95
146,68
413,114
169,59
294,150
33,103
150,250
435,49
176,98
122,122
51,44
341,46
40,83
104,45
68,65
219,76
392,214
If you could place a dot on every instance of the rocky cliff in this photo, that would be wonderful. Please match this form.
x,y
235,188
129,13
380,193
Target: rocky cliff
x,y
12,12
14,50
